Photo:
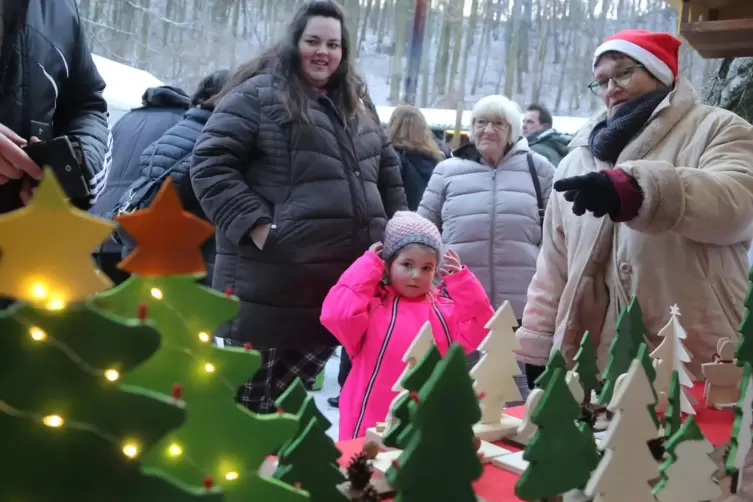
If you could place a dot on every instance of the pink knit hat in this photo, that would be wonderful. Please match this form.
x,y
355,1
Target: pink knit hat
x,y
407,227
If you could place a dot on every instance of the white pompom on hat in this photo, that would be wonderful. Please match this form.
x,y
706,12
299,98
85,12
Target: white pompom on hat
x,y
658,52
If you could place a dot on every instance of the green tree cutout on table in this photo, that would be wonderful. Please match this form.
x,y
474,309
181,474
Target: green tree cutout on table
x,y
742,436
673,417
61,399
638,329
744,350
400,431
556,362
561,454
586,367
622,351
309,460
440,460
644,356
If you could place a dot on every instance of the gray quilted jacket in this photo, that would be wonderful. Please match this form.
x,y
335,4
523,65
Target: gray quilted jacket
x,y
490,216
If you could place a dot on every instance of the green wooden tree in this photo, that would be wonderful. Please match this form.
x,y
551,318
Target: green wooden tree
x,y
644,356
673,417
71,428
556,362
586,367
297,401
186,314
638,329
744,351
622,351
742,437
400,431
440,461
562,452
310,462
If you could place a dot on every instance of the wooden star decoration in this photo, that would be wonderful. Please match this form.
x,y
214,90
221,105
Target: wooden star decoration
x,y
46,249
674,310
168,239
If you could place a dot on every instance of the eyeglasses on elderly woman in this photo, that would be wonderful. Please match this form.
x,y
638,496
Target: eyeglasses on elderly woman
x,y
621,78
497,125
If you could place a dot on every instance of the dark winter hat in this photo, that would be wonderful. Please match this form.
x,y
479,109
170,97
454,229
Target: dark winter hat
x,y
407,227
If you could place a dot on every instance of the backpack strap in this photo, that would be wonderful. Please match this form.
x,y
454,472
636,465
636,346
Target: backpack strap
x,y
536,187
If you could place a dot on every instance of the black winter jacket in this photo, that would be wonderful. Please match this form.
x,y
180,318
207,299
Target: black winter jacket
x,y
163,107
416,168
327,188
47,75
173,152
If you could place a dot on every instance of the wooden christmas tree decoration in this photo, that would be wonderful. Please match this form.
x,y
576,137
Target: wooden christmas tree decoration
x,y
561,454
416,351
310,462
400,432
672,416
527,427
169,238
495,371
648,366
744,352
671,356
742,432
627,466
51,275
556,362
295,400
440,461
64,412
638,330
722,377
687,475
622,351
205,376
586,367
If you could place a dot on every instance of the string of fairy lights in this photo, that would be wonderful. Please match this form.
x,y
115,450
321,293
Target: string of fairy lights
x,y
129,447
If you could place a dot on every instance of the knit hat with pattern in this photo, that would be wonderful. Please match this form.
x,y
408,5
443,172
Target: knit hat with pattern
x,y
407,227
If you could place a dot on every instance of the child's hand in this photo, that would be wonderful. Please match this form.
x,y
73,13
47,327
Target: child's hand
x,y
376,248
451,263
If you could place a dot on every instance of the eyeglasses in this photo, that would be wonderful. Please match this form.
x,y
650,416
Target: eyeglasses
x,y
621,78
497,125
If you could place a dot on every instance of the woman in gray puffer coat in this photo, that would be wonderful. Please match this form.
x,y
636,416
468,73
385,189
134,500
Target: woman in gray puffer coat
x,y
489,199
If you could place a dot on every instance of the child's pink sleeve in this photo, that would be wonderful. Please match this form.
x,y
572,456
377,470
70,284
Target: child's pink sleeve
x,y
345,311
472,308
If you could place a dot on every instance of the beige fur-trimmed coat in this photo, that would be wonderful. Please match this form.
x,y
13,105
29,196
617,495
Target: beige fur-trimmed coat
x,y
688,245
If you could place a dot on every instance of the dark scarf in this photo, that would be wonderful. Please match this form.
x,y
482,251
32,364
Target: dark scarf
x,y
610,136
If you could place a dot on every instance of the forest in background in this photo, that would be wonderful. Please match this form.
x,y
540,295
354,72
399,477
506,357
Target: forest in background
x,y
530,50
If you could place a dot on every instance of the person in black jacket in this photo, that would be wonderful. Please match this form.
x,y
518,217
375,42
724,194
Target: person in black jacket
x,y
299,180
170,156
48,77
163,107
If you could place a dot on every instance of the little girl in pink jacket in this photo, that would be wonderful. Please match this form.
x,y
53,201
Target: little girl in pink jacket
x,y
381,302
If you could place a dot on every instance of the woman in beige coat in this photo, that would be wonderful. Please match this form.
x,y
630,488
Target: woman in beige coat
x,y
654,200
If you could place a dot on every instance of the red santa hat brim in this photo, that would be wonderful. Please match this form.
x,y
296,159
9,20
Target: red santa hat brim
x,y
653,64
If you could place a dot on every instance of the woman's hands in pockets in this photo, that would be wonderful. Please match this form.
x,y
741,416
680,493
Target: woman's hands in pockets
x,y
259,234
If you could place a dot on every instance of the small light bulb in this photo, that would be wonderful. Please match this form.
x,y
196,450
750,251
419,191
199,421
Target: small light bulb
x,y
130,450
37,333
209,367
204,337
55,304
112,375
175,450
53,421
39,290
156,293
231,476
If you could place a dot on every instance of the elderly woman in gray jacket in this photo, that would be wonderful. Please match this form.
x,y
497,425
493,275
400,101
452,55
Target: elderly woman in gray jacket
x,y
488,200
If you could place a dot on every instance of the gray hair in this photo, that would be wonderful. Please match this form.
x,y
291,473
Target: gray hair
x,y
497,105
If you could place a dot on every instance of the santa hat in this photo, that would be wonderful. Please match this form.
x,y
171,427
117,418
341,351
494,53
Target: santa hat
x,y
658,52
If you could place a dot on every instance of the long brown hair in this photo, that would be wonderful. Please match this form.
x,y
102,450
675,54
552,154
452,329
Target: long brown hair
x,y
409,130
283,59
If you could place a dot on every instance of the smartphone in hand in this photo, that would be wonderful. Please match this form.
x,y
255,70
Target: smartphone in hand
x,y
59,156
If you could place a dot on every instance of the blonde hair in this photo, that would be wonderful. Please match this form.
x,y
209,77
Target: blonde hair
x,y
497,105
409,130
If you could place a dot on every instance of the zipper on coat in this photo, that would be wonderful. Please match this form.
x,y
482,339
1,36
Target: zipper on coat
x,y
492,292
377,365
443,323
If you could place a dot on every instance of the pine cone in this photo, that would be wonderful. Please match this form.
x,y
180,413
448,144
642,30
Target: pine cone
x,y
369,494
359,471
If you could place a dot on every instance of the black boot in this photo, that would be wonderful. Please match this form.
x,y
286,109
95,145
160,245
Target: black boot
x,y
334,401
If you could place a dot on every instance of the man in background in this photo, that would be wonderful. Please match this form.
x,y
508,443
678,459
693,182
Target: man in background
x,y
49,87
542,139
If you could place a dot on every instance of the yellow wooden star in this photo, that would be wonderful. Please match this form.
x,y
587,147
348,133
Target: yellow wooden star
x,y
45,249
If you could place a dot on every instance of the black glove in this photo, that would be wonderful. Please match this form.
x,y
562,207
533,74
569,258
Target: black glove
x,y
532,373
593,192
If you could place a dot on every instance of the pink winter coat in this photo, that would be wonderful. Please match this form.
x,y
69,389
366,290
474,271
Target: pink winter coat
x,y
375,327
